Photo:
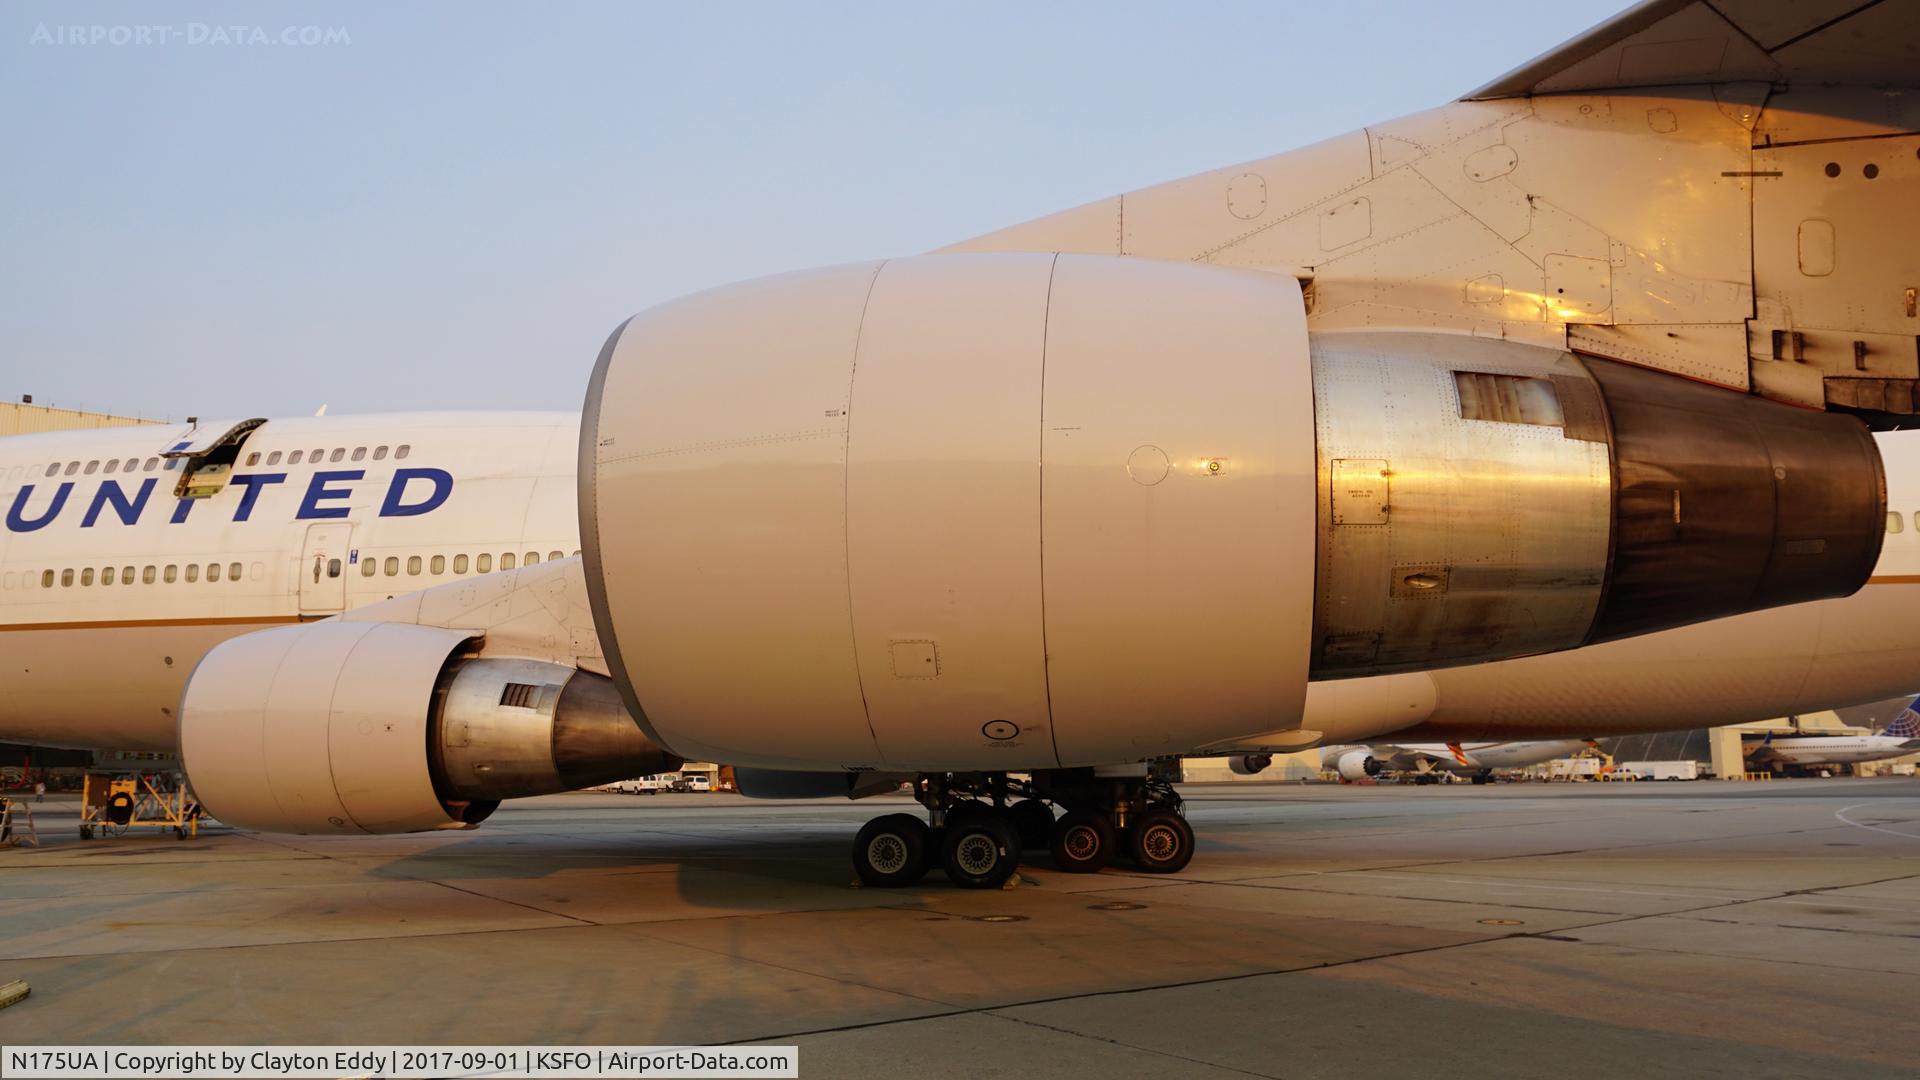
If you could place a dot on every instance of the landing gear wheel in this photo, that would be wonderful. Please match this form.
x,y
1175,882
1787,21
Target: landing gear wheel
x,y
1082,843
1161,842
1033,821
86,832
979,851
891,851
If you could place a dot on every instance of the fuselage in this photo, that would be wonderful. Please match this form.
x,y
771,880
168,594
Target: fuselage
x,y
112,591
1829,749
111,588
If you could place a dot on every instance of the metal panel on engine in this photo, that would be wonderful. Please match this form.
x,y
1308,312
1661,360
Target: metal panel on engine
x,y
943,511
1177,453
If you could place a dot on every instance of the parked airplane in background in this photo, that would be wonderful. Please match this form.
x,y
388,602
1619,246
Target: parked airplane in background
x,y
1066,499
1790,752
1474,760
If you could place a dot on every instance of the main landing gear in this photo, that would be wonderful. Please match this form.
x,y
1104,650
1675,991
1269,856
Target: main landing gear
x,y
979,824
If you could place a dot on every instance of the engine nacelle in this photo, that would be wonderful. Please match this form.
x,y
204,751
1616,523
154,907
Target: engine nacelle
x,y
391,727
1249,764
1357,765
1014,511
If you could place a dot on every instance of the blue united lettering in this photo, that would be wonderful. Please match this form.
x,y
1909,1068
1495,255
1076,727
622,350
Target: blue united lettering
x,y
328,494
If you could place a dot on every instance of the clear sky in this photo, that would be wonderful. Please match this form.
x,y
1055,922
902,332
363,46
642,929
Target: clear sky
x,y
452,207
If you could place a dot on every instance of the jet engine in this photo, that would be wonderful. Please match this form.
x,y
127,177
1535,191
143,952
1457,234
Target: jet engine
x,y
345,727
1249,764
1012,511
1357,765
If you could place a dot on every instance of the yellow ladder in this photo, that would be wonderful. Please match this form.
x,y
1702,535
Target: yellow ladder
x,y
16,824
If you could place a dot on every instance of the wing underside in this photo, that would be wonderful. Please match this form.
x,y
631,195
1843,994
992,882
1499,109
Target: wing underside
x,y
1690,42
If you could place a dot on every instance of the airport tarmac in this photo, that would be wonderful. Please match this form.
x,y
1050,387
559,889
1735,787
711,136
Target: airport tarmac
x,y
1767,929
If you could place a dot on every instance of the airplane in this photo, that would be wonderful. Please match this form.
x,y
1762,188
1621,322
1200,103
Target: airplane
x,y
1788,753
1427,762
492,557
1178,470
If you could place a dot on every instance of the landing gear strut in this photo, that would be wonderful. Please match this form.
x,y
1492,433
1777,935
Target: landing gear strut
x,y
976,834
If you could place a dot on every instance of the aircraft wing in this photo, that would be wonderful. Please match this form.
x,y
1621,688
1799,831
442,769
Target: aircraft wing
x,y
1680,42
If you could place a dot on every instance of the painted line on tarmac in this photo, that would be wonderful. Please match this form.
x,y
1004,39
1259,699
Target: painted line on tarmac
x,y
1842,815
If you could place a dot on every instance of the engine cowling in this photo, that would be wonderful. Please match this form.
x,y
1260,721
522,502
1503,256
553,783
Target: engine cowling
x,y
391,727
1357,765
1249,764
1011,511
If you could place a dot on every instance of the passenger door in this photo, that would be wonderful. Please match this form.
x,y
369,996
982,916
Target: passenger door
x,y
323,569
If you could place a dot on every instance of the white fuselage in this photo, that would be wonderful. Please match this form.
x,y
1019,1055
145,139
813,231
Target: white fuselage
x,y
91,659
1830,749
1465,758
111,589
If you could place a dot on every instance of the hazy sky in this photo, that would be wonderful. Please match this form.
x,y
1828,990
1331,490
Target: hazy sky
x,y
453,206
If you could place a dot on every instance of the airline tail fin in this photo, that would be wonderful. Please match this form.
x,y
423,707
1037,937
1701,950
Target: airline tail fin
x,y
1907,724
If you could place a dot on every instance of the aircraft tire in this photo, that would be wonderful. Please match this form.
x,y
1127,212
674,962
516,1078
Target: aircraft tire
x,y
891,851
1082,842
1033,821
980,851
1161,842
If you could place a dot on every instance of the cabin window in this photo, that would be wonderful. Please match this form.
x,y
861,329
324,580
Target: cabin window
x,y
253,458
555,556
532,557
379,453
193,572
72,467
1895,522
413,565
402,451
483,564
107,576
152,464
213,571
53,469
233,572
66,579
92,467
459,564
506,561
46,579
86,576
369,567
359,453
273,458
171,574
316,457
126,575
338,453
393,565
576,553
147,575
172,464
439,564
1916,521
294,458
113,465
